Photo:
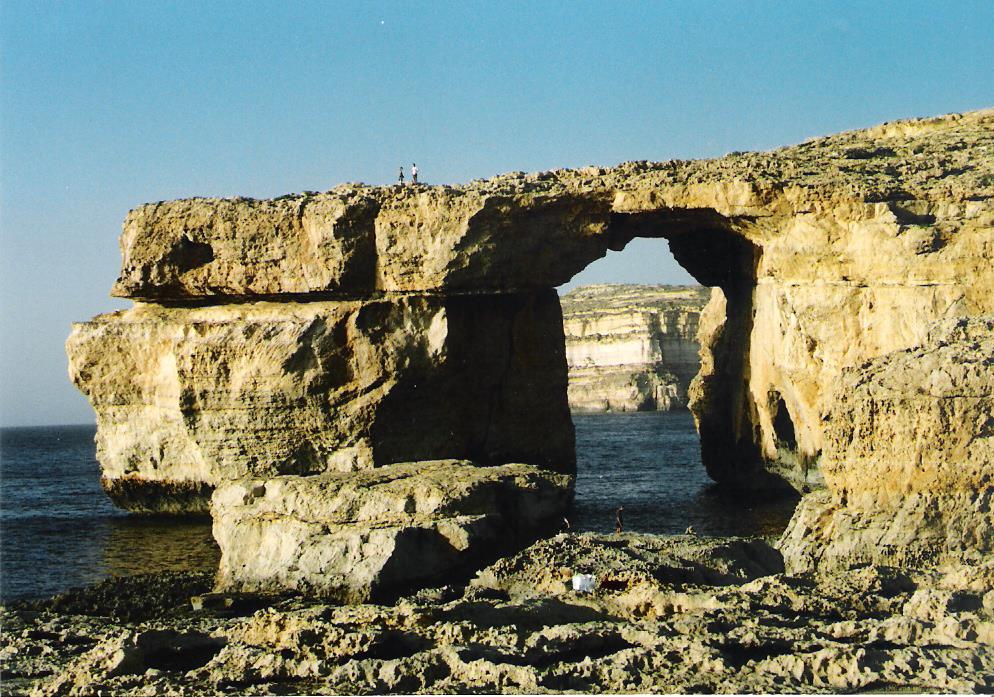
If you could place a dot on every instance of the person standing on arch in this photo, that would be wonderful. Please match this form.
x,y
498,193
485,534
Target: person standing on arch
x,y
400,175
414,173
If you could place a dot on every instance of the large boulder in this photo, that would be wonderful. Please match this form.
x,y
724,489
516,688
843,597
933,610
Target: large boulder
x,y
909,460
368,535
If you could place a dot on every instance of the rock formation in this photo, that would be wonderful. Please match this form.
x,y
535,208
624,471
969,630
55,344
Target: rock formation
x,y
669,615
368,326
631,347
909,459
356,536
188,397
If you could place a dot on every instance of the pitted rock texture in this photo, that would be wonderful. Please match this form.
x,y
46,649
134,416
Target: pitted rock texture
x,y
372,535
631,347
357,240
187,398
670,615
823,255
909,460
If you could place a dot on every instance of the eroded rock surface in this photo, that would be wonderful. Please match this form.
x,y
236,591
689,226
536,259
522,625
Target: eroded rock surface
x,y
909,459
368,326
369,535
631,347
824,254
678,614
187,398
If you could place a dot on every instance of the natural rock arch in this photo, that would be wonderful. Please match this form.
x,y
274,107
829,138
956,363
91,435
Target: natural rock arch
x,y
335,333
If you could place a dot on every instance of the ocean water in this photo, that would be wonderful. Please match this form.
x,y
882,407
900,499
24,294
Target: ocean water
x,y
58,530
650,464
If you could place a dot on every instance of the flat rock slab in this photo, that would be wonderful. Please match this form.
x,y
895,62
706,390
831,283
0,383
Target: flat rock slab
x,y
366,535
357,240
528,231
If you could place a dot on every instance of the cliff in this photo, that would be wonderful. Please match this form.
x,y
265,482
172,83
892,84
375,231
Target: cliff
x,y
631,347
366,327
909,459
824,254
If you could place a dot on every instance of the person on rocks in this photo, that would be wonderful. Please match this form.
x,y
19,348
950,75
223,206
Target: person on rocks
x,y
619,520
400,175
414,173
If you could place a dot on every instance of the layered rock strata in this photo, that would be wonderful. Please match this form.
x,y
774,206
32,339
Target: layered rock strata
x,y
631,347
821,256
825,254
909,459
188,397
360,536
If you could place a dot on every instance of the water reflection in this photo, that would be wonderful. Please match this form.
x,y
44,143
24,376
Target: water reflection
x,y
136,545
44,556
58,530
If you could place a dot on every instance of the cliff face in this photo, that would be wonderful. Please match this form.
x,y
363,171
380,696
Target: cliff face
x,y
370,326
631,347
825,254
188,397
909,459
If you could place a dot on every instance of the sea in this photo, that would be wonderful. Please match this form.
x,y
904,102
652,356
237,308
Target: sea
x,y
59,531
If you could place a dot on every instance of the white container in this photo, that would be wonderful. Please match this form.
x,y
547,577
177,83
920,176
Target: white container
x,y
584,583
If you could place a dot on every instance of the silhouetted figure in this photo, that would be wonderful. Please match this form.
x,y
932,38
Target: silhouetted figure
x,y
414,173
619,520
400,175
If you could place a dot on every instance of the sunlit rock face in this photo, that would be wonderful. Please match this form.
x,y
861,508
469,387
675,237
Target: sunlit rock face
x,y
820,256
631,347
909,459
365,536
826,254
187,397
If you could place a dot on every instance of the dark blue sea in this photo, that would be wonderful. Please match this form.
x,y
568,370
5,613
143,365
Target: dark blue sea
x,y
58,530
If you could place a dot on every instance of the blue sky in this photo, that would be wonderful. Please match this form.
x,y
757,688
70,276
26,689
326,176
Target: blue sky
x,y
105,105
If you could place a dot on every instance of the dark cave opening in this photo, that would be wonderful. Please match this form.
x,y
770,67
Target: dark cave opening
x,y
783,425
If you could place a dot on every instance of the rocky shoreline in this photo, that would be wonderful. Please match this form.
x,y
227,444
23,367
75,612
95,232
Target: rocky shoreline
x,y
669,614
371,384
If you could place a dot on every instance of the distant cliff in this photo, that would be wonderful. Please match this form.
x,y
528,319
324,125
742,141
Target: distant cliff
x,y
631,347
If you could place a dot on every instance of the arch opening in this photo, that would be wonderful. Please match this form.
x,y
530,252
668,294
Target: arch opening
x,y
638,445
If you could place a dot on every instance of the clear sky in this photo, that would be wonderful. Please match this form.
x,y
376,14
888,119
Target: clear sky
x,y
105,105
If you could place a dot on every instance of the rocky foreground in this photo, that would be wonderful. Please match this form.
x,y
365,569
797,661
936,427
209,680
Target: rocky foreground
x,y
669,614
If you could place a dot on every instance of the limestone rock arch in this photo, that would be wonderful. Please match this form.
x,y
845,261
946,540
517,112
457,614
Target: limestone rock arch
x,y
362,327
